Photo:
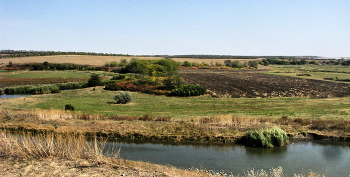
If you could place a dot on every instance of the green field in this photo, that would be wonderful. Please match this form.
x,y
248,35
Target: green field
x,y
101,102
318,72
46,74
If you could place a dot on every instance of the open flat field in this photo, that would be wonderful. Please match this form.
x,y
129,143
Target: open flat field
x,y
101,102
16,78
95,60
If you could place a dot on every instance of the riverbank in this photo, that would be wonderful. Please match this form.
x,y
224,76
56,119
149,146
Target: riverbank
x,y
221,129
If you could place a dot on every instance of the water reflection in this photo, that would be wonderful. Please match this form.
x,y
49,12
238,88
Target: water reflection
x,y
3,96
263,152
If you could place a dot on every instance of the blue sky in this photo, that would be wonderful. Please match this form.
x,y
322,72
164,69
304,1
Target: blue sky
x,y
136,27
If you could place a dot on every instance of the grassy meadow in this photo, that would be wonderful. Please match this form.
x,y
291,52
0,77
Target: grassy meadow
x,y
203,115
318,72
45,74
101,102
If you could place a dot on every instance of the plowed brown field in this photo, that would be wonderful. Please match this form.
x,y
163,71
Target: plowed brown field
x,y
252,84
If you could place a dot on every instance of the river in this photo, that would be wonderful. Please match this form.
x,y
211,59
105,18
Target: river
x,y
330,159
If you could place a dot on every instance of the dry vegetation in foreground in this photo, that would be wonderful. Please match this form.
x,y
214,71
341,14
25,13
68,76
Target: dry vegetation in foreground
x,y
49,154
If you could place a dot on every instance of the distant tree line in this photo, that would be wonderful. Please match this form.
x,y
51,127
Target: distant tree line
x,y
30,53
275,61
229,56
52,66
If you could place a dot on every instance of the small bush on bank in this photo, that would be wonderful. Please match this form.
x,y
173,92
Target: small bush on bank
x,y
266,138
123,98
71,85
69,107
188,90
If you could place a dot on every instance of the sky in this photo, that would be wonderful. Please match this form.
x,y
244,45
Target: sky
x,y
178,27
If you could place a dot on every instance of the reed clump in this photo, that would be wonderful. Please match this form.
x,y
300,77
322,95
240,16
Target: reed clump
x,y
44,89
266,138
49,145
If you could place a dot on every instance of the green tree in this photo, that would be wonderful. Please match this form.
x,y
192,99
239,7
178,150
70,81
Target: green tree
x,y
94,80
253,64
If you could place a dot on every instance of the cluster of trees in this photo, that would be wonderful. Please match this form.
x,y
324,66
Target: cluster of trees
x,y
30,53
160,68
228,56
53,66
275,61
345,63
237,64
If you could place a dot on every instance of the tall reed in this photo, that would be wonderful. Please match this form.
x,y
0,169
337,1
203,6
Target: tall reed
x,y
266,138
48,145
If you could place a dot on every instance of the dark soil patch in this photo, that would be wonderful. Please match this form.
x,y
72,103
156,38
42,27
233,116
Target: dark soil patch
x,y
252,84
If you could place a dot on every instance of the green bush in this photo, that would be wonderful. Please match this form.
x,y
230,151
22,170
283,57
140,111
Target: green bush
x,y
304,74
112,87
123,98
173,82
266,138
188,90
69,107
119,77
95,80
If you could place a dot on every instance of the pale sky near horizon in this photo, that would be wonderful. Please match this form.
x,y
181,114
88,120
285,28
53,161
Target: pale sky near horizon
x,y
174,27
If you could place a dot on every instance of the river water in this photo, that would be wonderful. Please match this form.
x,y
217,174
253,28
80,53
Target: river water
x,y
3,96
330,159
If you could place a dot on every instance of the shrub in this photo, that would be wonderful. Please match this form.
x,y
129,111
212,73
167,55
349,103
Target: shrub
x,y
304,74
266,138
123,98
119,77
173,82
94,80
112,87
69,107
188,90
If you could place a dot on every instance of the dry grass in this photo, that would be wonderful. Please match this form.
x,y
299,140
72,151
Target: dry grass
x,y
28,154
99,60
147,127
48,145
231,122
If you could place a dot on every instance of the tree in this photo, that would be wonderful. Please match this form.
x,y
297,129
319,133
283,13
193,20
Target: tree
x,y
253,64
10,64
94,80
